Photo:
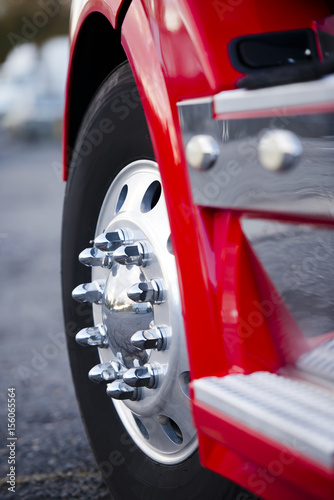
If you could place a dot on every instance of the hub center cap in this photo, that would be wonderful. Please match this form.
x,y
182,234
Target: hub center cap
x,y
122,317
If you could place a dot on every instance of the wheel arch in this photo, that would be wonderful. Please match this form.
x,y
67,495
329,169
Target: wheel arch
x,y
88,68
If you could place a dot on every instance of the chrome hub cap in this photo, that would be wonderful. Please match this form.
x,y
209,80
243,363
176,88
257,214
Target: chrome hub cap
x,y
137,316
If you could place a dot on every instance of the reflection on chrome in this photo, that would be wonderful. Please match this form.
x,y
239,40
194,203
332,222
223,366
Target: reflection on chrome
x,y
237,178
299,260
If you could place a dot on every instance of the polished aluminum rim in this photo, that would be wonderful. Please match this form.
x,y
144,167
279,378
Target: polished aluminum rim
x,y
137,316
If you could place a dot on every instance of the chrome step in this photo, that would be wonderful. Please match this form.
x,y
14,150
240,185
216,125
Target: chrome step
x,y
295,413
319,361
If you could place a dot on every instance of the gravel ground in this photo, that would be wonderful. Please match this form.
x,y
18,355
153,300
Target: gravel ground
x,y
53,457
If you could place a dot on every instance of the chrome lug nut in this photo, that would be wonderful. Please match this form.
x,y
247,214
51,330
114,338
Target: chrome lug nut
x,y
102,243
136,255
153,338
94,257
141,376
92,336
108,242
147,291
106,372
119,390
89,292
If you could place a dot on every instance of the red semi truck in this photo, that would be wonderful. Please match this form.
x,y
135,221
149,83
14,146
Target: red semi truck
x,y
197,250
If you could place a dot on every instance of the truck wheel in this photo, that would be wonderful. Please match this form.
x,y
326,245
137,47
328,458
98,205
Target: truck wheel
x,y
131,378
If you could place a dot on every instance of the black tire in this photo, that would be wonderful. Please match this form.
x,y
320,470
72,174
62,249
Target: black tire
x,y
128,472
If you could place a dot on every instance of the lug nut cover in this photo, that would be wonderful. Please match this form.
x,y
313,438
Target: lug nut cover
x,y
92,336
89,292
120,391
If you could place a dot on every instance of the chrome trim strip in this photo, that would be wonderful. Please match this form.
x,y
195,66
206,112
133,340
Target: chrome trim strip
x,y
296,94
196,101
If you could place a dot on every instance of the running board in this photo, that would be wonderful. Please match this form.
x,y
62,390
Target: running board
x,y
319,361
292,412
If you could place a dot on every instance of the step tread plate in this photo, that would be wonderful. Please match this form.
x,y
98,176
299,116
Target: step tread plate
x,y
293,412
319,361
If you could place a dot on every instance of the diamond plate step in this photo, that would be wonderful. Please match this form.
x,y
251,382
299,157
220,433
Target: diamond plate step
x,y
295,413
319,361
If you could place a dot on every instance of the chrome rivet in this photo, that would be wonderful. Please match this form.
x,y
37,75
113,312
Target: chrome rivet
x,y
202,152
279,150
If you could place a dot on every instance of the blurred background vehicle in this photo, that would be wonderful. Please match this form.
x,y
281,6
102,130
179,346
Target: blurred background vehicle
x,y
33,64
32,87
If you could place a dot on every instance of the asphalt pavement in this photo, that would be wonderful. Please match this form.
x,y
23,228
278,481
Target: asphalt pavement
x,y
52,455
